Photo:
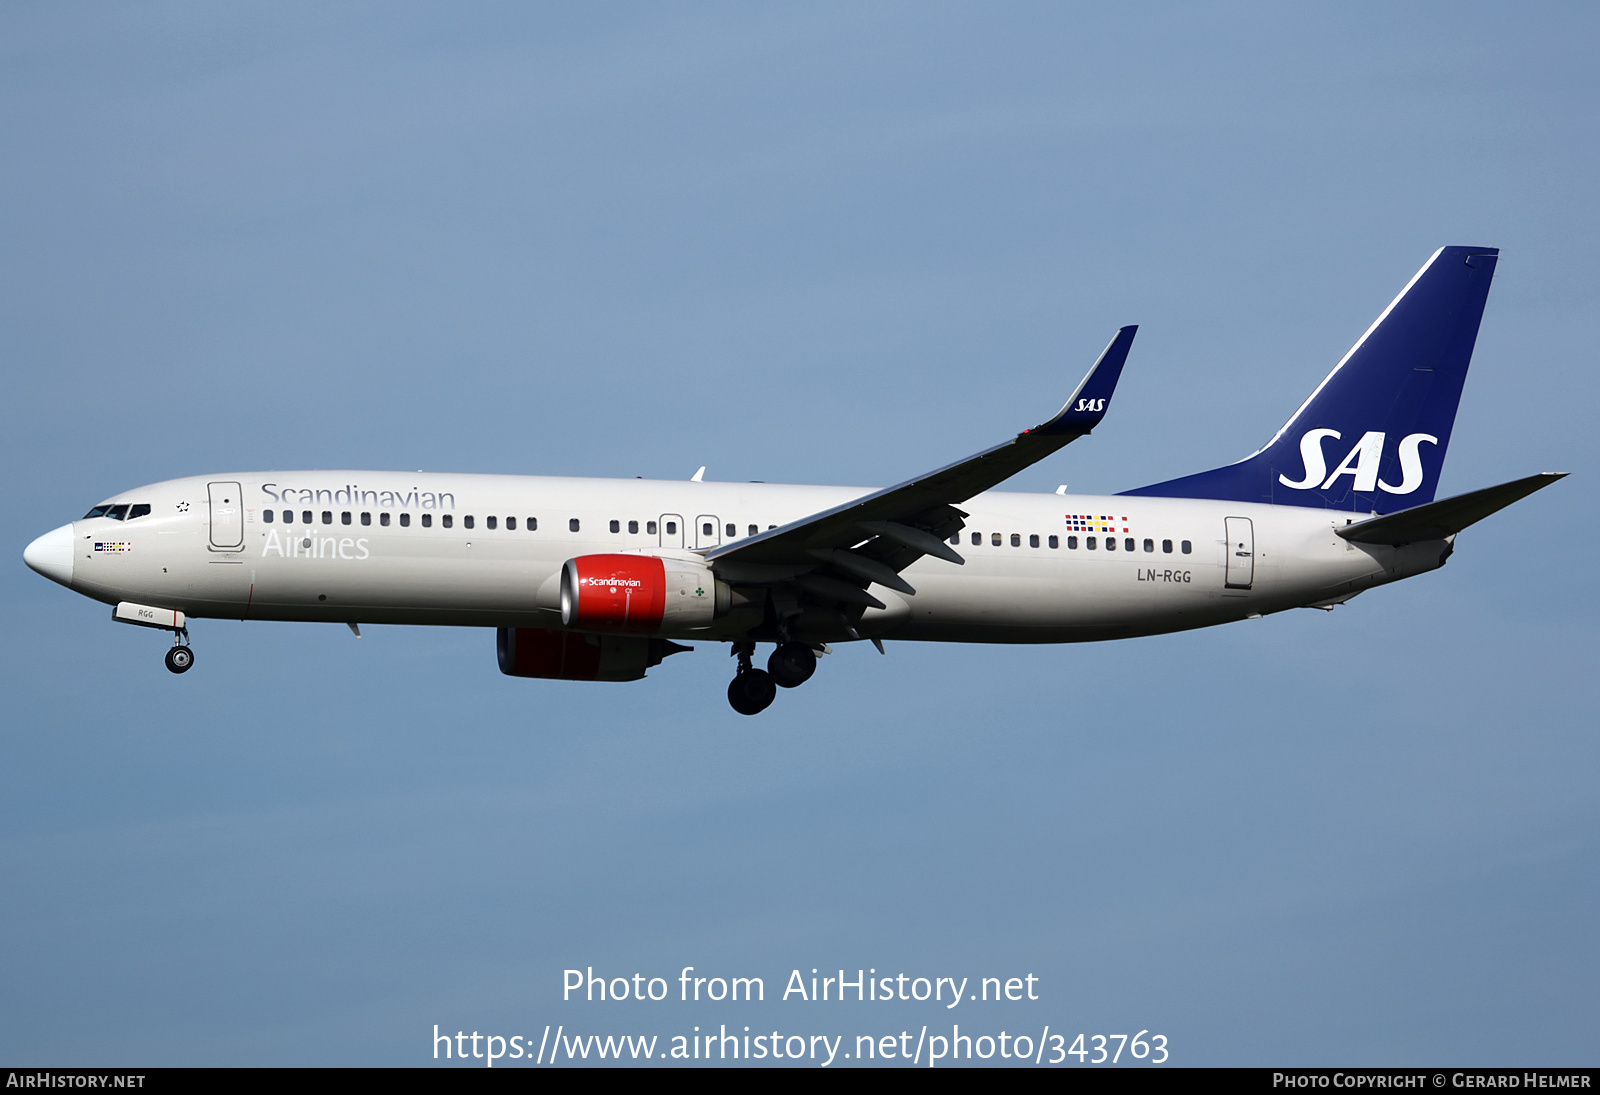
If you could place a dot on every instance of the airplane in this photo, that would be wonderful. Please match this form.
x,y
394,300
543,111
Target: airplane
x,y
602,579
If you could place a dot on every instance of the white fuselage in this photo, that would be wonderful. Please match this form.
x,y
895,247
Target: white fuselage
x,y
372,547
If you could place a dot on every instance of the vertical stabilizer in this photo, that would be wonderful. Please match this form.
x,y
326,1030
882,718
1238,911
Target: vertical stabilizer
x,y
1372,437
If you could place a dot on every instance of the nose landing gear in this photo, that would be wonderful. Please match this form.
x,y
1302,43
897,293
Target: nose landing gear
x,y
751,691
180,657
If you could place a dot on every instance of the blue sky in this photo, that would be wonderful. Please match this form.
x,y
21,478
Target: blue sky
x,y
832,243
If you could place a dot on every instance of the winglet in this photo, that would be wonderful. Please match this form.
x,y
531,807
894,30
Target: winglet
x,y
1087,405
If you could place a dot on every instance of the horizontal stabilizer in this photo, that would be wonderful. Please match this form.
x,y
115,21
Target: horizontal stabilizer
x,y
1436,520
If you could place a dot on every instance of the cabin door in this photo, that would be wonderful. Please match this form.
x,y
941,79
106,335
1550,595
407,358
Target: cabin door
x,y
1241,552
227,516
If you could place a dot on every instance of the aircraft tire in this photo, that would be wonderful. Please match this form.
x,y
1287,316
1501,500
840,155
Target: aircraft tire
x,y
751,692
792,664
179,659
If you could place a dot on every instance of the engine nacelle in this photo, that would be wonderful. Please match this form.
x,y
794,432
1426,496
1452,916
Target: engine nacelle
x,y
574,656
639,594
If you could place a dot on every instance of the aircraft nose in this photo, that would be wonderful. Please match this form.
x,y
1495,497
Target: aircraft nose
x,y
51,555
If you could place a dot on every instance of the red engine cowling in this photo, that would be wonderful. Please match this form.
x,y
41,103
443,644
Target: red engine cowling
x,y
638,594
574,656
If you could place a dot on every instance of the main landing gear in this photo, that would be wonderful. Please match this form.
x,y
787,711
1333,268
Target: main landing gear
x,y
792,664
180,657
752,690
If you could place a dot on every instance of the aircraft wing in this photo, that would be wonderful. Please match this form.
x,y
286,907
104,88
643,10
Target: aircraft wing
x,y
1436,520
833,555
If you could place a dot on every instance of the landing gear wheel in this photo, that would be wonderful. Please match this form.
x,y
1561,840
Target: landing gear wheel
x,y
792,664
179,659
751,692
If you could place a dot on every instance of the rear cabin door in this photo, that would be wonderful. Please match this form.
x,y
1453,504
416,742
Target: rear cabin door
x,y
227,516
1241,553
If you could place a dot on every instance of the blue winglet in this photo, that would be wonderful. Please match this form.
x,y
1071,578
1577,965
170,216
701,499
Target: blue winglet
x,y
1087,405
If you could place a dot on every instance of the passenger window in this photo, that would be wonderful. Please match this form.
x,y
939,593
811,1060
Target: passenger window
x,y
405,520
344,517
956,539
1128,544
383,519
533,524
770,527
754,529
366,518
650,527
1088,543
466,522
733,529
1149,545
446,520
1111,543
266,516
427,520
1187,547
705,528
1166,546
305,517
511,524
1072,543
140,509
1033,540
327,517
672,528
633,527
1055,541
98,511
977,538
491,522
994,539
572,525
1016,539
616,526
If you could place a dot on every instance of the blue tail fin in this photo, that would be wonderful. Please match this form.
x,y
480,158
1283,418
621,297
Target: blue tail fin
x,y
1372,437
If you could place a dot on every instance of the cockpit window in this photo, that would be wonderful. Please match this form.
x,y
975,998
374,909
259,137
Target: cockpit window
x,y
140,509
98,511
117,513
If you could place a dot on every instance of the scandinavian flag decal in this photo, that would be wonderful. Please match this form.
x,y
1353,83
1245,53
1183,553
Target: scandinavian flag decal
x,y
1084,522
